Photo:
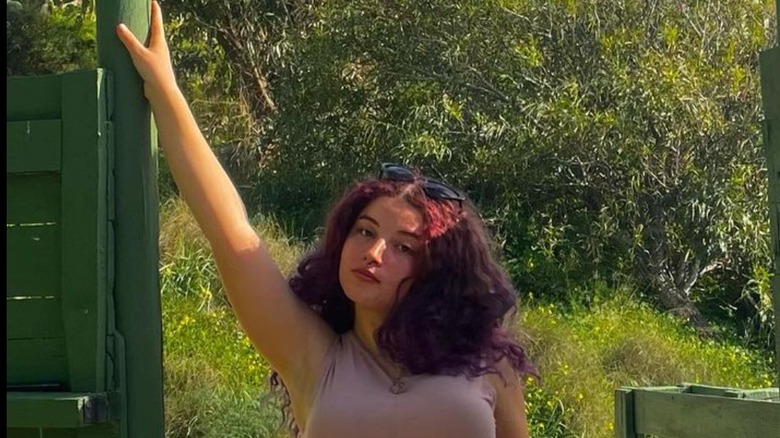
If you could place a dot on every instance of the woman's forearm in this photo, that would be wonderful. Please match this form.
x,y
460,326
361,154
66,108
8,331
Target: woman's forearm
x,y
201,179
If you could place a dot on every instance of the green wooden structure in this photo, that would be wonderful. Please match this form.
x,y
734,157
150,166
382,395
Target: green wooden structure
x,y
84,335
698,411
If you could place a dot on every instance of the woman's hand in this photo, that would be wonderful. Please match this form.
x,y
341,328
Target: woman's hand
x,y
153,63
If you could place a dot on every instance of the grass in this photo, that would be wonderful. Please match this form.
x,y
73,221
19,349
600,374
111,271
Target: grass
x,y
585,354
215,382
216,385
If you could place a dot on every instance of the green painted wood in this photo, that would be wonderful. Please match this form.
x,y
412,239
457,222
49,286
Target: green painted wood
x,y
93,431
56,409
32,261
624,414
34,318
687,415
138,313
119,359
771,394
33,146
719,391
32,198
29,98
22,433
34,361
674,389
84,218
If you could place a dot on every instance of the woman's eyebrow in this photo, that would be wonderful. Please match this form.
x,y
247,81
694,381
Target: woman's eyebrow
x,y
368,218
415,236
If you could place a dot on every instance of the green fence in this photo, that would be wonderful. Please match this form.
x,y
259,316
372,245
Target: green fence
x,y
64,358
84,335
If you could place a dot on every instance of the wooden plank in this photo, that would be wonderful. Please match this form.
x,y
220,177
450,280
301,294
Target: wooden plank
x,y
32,361
32,199
109,430
35,97
22,433
624,413
718,391
119,360
56,409
693,416
32,255
33,318
767,394
775,226
59,433
776,291
33,146
84,224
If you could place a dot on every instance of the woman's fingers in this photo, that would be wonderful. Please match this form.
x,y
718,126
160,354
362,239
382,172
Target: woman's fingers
x,y
157,31
128,39
152,62
156,37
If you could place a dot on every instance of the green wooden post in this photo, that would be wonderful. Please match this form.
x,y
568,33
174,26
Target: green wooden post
x,y
624,413
136,294
769,62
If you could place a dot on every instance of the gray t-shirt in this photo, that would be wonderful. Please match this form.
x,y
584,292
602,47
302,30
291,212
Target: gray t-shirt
x,y
356,398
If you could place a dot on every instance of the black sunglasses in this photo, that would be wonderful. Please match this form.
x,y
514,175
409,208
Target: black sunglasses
x,y
433,189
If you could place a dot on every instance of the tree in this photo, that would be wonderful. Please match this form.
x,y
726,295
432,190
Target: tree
x,y
619,143
44,37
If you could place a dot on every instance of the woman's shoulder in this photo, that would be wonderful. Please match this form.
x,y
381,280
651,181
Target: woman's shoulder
x,y
505,376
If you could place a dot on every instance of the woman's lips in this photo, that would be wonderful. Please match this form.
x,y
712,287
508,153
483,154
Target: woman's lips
x,y
365,275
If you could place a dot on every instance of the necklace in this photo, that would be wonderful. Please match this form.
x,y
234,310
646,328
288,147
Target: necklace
x,y
398,386
392,370
399,382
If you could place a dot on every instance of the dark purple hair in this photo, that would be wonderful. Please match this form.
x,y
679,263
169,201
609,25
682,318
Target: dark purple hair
x,y
451,319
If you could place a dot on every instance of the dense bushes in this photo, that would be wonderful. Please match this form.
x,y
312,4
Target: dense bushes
x,y
42,38
618,144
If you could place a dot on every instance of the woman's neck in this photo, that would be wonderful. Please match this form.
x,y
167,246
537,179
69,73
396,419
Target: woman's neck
x,y
366,325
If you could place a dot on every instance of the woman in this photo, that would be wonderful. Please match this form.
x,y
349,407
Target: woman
x,y
392,328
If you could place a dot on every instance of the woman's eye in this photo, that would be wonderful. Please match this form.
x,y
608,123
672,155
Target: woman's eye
x,y
404,249
365,233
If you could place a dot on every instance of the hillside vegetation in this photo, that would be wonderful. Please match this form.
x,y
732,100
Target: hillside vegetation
x,y
216,384
614,149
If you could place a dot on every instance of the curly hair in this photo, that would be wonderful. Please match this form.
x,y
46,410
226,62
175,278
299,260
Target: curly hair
x,y
451,319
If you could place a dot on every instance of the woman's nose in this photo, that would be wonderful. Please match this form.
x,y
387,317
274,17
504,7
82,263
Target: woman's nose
x,y
375,252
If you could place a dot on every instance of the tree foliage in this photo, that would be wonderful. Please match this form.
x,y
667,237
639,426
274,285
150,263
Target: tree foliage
x,y
616,141
44,37
228,54
613,142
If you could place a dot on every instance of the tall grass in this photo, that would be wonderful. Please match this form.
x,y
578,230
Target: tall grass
x,y
584,354
216,384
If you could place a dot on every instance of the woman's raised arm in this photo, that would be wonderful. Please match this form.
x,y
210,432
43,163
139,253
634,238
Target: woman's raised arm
x,y
291,336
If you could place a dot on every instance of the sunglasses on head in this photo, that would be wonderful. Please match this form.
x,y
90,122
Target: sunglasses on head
x,y
433,189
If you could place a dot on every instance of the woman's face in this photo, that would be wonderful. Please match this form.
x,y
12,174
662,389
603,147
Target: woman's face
x,y
380,254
